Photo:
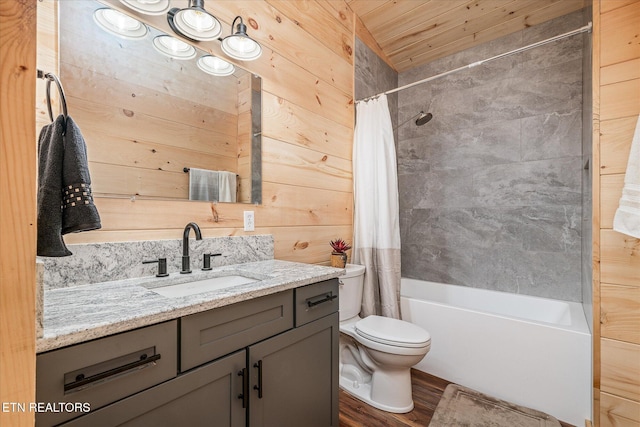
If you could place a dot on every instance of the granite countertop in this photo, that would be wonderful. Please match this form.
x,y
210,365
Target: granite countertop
x,y
81,313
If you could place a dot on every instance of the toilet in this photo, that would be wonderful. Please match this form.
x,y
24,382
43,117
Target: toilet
x,y
376,353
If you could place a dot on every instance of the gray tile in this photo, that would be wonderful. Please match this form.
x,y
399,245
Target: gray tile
x,y
481,145
443,188
498,268
552,275
437,264
552,135
554,53
414,149
551,228
557,88
542,182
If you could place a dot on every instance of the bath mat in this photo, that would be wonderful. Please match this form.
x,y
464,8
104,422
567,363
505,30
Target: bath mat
x,y
464,407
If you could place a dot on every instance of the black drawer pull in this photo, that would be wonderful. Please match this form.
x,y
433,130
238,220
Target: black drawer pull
x,y
82,381
327,298
259,385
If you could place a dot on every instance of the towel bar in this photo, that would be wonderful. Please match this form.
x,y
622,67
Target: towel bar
x,y
50,77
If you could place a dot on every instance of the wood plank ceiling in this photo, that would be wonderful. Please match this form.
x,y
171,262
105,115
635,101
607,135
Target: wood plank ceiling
x,y
413,32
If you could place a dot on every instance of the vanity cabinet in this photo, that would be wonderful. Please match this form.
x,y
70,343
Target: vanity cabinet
x,y
267,362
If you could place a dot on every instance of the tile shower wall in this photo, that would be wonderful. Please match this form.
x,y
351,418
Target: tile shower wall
x,y
491,187
373,76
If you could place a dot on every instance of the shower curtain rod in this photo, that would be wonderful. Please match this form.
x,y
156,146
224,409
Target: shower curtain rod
x,y
475,64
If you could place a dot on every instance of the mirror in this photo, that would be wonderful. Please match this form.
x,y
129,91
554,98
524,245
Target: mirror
x,y
152,123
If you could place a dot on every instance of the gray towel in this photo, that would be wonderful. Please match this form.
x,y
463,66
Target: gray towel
x,y
203,184
65,203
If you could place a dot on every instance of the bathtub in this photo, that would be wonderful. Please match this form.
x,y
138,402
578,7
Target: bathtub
x,y
531,351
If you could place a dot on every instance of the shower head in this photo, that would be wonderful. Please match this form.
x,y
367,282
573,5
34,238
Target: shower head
x,y
423,118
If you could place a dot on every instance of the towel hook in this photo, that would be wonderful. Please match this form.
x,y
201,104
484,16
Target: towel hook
x,y
50,77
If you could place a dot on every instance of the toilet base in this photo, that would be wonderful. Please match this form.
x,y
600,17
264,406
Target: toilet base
x,y
362,391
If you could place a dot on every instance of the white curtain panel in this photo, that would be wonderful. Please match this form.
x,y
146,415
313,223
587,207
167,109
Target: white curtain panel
x,y
376,241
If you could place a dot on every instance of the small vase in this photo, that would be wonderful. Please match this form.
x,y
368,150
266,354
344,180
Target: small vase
x,y
338,260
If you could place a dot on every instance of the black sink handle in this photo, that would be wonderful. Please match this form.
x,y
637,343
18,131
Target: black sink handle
x,y
206,264
162,266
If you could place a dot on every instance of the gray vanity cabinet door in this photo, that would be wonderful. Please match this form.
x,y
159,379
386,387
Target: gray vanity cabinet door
x,y
206,396
294,377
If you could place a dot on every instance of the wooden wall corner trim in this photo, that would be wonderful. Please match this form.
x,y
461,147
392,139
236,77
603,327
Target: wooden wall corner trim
x,y
18,214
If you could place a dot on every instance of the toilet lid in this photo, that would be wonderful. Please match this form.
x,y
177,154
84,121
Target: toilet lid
x,y
393,332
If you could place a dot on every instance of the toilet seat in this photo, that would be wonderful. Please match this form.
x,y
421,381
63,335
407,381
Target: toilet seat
x,y
391,335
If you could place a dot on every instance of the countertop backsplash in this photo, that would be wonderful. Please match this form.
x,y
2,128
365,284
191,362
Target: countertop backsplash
x,y
105,262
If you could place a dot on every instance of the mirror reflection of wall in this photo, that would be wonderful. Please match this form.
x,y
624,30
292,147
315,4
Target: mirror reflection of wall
x,y
146,117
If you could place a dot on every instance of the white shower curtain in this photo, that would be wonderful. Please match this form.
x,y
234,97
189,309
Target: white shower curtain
x,y
376,241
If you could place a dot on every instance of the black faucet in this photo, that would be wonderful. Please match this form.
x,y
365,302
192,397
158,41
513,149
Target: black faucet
x,y
186,263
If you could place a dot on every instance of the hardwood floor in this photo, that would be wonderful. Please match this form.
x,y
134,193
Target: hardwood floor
x,y
427,391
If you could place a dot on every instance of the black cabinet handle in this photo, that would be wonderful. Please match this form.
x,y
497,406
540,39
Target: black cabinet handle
x,y
259,385
245,387
327,298
82,381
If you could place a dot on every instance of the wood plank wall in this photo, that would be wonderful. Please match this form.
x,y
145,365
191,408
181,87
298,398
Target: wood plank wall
x,y
616,275
308,120
17,209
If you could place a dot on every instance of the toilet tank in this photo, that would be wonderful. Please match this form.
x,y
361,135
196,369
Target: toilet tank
x,y
351,286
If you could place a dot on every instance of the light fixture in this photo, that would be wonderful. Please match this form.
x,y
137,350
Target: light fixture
x,y
194,22
148,7
119,24
239,45
213,65
173,48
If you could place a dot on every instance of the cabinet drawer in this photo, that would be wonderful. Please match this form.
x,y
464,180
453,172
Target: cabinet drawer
x,y
206,396
105,370
316,301
211,334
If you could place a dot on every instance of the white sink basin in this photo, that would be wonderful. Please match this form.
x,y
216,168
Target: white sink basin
x,y
200,286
